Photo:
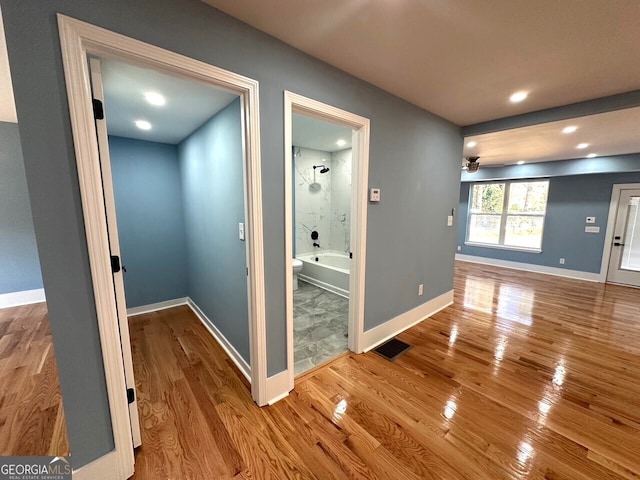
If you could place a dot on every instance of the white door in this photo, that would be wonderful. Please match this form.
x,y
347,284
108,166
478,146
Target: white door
x,y
114,245
624,263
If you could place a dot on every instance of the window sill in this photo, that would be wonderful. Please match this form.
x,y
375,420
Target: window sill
x,y
504,247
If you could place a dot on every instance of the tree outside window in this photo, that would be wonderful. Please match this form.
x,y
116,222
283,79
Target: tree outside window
x,y
509,214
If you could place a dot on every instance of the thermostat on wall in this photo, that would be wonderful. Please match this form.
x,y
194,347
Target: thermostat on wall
x,y
374,195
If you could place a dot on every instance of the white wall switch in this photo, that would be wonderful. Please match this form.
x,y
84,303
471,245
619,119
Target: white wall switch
x,y
450,221
420,289
459,248
562,261
374,195
241,231
591,220
592,229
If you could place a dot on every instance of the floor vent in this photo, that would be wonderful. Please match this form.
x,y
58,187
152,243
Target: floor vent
x,y
392,349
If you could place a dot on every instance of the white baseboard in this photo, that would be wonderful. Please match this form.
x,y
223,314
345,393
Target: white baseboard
x,y
278,387
529,267
26,297
324,285
154,307
240,362
377,335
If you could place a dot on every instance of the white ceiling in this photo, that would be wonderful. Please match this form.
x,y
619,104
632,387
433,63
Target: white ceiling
x,y
188,103
611,133
461,59
318,134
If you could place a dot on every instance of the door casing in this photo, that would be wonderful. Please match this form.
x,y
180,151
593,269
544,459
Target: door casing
x,y
611,222
294,103
78,41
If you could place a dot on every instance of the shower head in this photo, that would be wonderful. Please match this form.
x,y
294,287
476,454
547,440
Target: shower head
x,y
322,168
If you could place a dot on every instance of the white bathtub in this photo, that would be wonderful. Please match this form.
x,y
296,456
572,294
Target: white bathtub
x,y
328,270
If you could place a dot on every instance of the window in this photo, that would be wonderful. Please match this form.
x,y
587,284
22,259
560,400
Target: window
x,y
509,214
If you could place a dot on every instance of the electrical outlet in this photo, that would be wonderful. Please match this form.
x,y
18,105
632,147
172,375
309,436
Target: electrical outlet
x,y
459,248
562,261
420,289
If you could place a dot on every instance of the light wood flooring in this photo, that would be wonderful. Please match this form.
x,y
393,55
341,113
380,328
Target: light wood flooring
x,y
31,414
526,376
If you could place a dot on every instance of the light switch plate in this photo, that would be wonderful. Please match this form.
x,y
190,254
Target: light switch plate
x,y
592,229
591,220
374,195
241,231
450,221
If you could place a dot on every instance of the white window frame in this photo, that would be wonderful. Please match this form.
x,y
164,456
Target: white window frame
x,y
504,215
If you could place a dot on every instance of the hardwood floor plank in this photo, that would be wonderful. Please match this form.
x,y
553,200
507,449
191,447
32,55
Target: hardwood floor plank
x,y
525,376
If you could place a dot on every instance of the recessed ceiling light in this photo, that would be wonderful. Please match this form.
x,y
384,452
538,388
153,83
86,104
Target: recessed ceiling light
x,y
582,145
472,144
569,129
143,124
518,97
592,155
520,162
341,143
154,98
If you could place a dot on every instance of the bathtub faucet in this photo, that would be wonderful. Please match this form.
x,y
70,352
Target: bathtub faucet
x,y
316,244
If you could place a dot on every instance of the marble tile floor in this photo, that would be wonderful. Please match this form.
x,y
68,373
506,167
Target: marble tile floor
x,y
320,326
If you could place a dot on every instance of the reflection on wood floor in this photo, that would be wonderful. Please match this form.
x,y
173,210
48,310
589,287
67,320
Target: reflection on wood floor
x,y
525,376
31,415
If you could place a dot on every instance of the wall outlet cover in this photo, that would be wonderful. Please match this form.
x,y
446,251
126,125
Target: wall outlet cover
x,y
590,220
420,289
374,195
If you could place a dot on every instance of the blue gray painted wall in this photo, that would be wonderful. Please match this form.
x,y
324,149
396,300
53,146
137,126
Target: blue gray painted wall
x,y
211,163
414,159
148,195
571,199
18,252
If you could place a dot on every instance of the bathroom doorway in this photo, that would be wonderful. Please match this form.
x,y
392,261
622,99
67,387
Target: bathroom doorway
x,y
322,172
326,165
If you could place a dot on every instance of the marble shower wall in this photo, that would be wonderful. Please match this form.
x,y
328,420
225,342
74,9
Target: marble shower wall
x,y
323,206
340,201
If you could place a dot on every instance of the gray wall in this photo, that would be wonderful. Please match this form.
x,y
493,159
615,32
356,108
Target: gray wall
x,y
571,200
148,194
415,160
18,253
211,162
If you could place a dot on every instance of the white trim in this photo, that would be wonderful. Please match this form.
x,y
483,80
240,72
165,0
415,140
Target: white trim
x,y
154,307
25,297
99,469
226,345
78,40
360,171
278,387
324,285
611,223
380,334
503,247
529,267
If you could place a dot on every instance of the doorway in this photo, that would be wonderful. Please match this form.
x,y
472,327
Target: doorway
x,y
322,183
79,42
624,257
325,230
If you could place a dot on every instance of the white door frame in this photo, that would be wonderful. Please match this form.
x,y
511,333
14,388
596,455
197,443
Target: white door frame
x,y
360,172
78,40
95,70
611,223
